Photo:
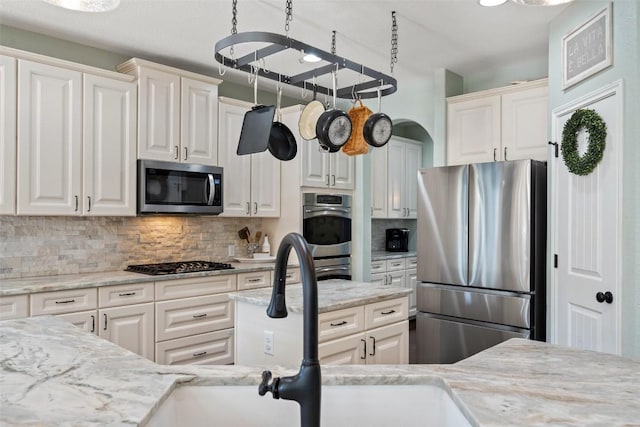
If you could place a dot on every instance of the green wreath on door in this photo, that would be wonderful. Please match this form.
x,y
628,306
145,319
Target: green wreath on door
x,y
597,128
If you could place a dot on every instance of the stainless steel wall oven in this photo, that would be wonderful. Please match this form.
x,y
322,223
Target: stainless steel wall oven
x,y
326,226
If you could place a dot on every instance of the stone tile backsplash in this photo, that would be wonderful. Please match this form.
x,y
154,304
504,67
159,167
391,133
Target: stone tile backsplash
x,y
379,232
41,246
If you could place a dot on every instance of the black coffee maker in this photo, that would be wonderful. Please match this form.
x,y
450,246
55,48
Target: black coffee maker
x,y
397,240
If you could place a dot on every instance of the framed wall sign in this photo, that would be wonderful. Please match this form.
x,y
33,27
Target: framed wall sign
x,y
587,48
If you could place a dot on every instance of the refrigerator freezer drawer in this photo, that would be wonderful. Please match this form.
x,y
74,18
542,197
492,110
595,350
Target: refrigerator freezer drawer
x,y
486,306
441,340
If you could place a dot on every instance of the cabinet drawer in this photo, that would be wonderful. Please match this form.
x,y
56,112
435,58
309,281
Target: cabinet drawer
x,y
14,307
396,264
385,312
135,293
59,302
378,267
411,262
214,348
340,323
183,288
258,279
191,316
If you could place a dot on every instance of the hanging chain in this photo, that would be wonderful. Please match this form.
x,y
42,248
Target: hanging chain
x,y
394,40
289,17
333,42
234,22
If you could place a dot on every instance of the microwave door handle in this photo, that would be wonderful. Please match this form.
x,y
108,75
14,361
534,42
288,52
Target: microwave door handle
x,y
212,190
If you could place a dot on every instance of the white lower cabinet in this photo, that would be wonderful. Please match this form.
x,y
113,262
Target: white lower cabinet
x,y
14,307
128,325
197,327
400,272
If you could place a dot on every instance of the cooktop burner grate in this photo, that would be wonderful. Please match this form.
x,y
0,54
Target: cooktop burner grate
x,y
178,267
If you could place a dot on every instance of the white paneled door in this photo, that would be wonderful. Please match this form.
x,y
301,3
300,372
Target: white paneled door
x,y
586,235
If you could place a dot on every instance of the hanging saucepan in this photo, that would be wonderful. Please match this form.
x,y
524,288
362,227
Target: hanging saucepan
x,y
334,126
309,117
282,143
378,128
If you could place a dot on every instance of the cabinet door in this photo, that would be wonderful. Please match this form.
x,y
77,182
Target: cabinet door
x,y
14,306
159,115
341,171
199,122
524,124
130,326
109,167
87,320
411,282
473,130
389,345
378,279
395,179
8,108
378,182
50,140
265,185
237,169
314,171
343,351
413,162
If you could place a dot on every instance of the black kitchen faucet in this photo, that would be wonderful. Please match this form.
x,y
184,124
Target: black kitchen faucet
x,y
305,386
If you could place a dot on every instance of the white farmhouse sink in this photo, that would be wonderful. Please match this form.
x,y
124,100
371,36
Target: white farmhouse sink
x,y
347,405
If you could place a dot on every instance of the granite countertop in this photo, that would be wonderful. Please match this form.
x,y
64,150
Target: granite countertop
x,y
334,294
52,373
30,285
381,255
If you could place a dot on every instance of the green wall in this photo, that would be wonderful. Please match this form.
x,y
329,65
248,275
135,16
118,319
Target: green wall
x,y
626,45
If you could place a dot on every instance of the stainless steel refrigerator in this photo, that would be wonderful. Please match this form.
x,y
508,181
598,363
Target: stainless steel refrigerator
x,y
481,257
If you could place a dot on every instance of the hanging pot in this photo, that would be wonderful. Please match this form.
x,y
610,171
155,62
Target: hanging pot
x,y
309,117
378,128
282,142
333,128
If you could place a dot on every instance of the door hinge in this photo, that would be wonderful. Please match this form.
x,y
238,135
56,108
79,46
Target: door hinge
x,y
555,260
555,145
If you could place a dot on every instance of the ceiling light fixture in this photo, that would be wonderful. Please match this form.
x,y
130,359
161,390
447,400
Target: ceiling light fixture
x,y
86,5
309,57
490,3
541,2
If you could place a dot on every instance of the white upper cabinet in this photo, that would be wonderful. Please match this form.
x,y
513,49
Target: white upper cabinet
x,y
76,139
508,123
8,134
326,170
109,149
251,182
50,140
394,170
177,113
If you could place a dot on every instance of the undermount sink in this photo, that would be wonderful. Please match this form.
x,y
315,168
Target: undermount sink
x,y
342,405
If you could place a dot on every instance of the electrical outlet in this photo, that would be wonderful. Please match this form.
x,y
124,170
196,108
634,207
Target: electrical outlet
x,y
231,250
268,342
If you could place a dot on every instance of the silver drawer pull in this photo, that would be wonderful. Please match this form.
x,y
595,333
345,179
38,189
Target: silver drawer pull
x,y
199,316
67,301
202,353
384,313
344,322
126,294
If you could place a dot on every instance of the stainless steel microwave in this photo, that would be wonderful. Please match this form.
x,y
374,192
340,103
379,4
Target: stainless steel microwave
x,y
179,188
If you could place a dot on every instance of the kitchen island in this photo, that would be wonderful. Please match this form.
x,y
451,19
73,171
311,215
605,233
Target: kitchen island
x,y
53,373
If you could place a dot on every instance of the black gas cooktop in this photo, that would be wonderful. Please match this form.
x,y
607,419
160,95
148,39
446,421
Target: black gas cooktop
x,y
178,267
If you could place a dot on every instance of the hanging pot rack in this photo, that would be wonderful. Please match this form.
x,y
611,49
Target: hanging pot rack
x,y
379,84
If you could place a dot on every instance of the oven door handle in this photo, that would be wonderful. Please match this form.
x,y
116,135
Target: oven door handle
x,y
212,190
327,208
328,269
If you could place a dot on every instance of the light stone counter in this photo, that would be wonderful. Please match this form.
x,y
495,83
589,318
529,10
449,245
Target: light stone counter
x,y
52,373
334,294
30,285
382,255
